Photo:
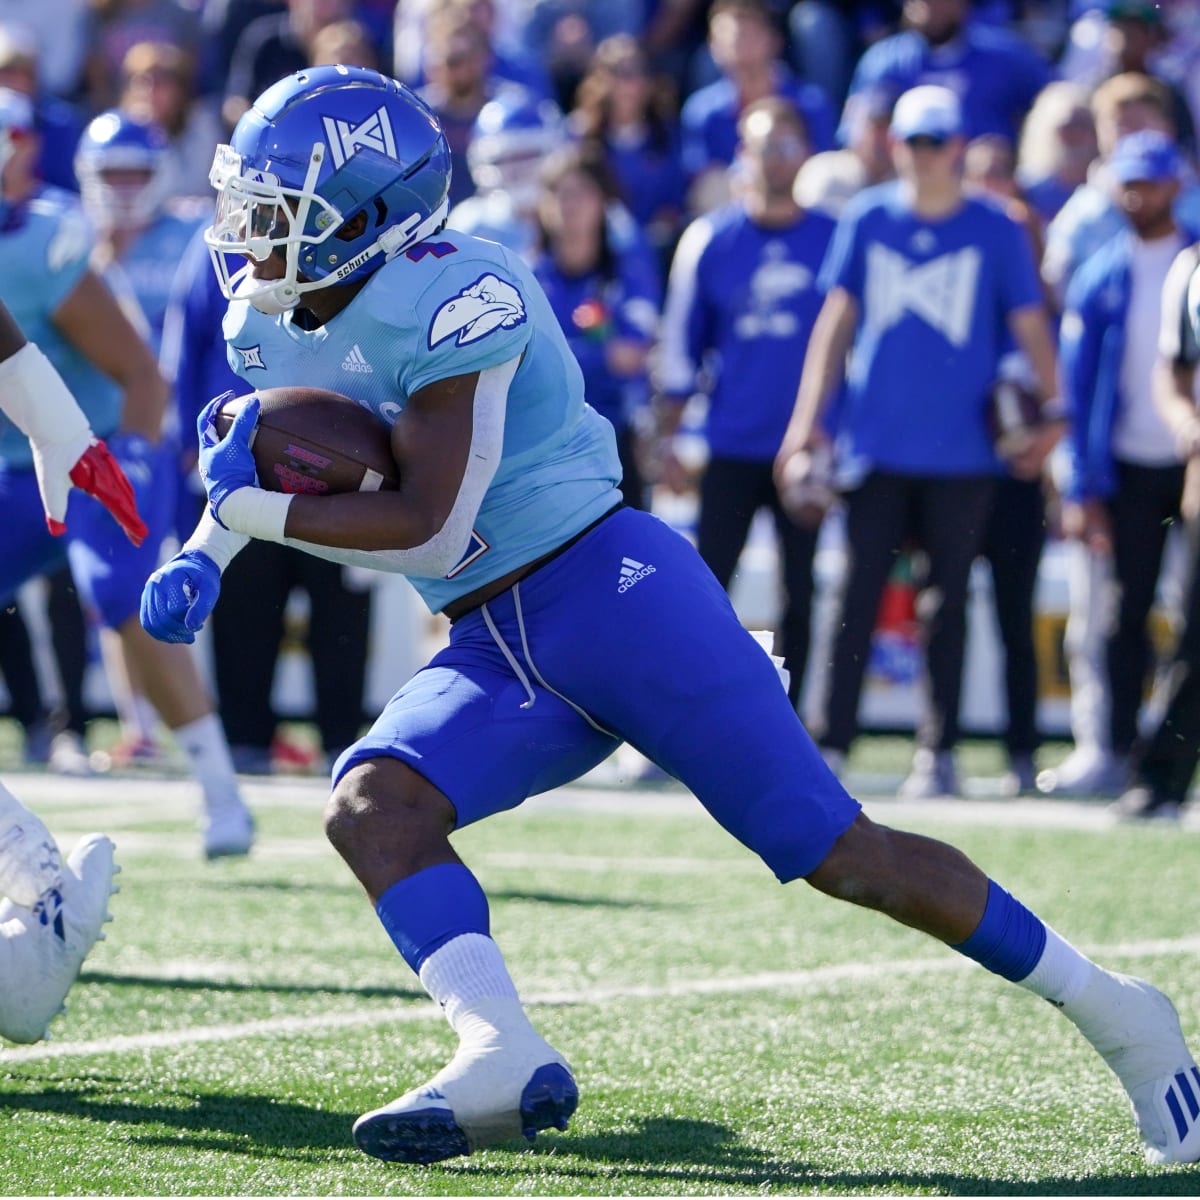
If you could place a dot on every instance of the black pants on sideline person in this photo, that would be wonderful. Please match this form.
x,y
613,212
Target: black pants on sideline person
x,y
68,638
1142,508
247,628
947,517
731,492
1165,760
1012,545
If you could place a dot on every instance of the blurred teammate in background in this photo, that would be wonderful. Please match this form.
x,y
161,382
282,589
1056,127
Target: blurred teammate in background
x,y
64,305
51,915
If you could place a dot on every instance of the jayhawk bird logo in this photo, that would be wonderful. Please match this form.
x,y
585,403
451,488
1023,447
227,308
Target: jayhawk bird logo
x,y
487,305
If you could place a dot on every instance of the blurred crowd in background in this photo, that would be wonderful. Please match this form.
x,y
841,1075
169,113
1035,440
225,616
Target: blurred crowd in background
x,y
655,161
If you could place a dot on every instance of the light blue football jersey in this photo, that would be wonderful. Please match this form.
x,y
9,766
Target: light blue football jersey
x,y
44,249
450,306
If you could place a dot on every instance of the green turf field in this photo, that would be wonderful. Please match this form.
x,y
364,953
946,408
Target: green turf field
x,y
730,1036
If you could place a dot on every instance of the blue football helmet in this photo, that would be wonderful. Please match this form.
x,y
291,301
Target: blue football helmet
x,y
340,169
123,171
513,134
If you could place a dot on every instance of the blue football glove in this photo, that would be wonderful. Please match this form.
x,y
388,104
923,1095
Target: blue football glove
x,y
179,596
226,464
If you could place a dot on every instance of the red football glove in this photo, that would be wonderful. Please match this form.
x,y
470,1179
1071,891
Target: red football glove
x,y
100,475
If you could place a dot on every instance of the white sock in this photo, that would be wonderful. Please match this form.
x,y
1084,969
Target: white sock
x,y
203,741
468,978
1061,973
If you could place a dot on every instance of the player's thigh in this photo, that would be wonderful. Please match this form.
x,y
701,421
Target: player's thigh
x,y
658,656
27,548
466,723
109,570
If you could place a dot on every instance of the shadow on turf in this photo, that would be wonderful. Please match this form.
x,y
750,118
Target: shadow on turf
x,y
660,1150
236,1124
223,985
557,898
574,901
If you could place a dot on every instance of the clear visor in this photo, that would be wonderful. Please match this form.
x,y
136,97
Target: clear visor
x,y
255,214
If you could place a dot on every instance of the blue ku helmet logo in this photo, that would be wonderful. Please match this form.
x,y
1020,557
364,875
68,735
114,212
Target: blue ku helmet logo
x,y
487,305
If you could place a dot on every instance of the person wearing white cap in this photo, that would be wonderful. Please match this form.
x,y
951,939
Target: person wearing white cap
x,y
928,288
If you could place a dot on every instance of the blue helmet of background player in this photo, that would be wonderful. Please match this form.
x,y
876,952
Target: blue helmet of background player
x,y
123,172
339,169
512,136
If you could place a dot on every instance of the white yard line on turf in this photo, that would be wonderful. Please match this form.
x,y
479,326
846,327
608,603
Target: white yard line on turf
x,y
813,979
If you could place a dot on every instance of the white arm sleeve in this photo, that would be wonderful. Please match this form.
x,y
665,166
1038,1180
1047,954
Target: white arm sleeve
x,y
35,399
218,543
438,556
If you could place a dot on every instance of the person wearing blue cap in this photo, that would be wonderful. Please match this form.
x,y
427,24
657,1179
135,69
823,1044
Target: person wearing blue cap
x,y
1124,104
1125,474
926,286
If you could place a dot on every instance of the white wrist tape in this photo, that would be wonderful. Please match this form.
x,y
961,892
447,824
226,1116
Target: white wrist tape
x,y
218,543
34,397
256,513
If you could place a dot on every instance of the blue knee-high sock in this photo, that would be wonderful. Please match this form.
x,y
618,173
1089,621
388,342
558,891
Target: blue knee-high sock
x,y
427,909
1009,939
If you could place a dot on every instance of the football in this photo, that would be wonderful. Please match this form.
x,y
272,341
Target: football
x,y
316,442
1013,416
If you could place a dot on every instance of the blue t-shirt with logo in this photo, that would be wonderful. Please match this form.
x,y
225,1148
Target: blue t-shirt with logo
x,y
934,298
741,307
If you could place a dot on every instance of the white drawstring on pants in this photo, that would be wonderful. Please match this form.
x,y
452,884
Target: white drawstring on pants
x,y
519,672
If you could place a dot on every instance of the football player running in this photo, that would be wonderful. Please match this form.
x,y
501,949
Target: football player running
x,y
51,916
576,623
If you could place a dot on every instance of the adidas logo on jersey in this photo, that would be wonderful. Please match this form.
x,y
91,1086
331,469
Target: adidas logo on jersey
x,y
632,572
354,361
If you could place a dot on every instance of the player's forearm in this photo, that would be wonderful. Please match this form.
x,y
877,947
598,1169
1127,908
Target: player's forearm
x,y
1173,389
145,402
1032,330
362,521
11,337
824,365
